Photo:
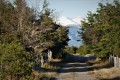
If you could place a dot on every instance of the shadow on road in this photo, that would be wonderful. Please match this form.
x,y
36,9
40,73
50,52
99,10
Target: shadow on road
x,y
47,78
74,58
72,63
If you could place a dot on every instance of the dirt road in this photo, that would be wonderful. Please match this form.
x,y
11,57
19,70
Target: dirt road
x,y
72,70
75,71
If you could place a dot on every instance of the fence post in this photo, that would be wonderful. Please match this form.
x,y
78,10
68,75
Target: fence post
x,y
49,55
119,63
110,59
115,62
42,61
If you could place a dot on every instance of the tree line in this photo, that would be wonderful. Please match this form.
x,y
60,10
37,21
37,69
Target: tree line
x,y
24,37
101,31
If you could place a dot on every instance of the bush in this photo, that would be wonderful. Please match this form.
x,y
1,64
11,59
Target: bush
x,y
15,62
83,50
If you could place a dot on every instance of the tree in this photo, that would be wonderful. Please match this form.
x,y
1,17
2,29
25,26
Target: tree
x,y
51,36
7,19
24,39
83,50
15,62
101,29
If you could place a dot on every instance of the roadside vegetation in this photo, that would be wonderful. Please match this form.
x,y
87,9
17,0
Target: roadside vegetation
x,y
101,31
26,35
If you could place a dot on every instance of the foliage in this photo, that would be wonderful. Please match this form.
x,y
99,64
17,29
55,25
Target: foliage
x,y
52,36
71,50
83,50
15,62
24,38
100,30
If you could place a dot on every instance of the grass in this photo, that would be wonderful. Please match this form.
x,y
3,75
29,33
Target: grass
x,y
104,71
48,71
107,73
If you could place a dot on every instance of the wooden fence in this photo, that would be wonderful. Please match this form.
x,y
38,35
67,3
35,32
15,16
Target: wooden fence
x,y
45,57
114,61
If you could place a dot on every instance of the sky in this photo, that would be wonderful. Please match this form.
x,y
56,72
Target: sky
x,y
74,8
73,35
69,8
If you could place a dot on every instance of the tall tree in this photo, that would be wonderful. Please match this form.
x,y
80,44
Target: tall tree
x,y
15,62
101,30
50,34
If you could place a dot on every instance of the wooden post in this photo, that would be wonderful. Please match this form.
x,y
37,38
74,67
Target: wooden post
x,y
49,55
45,58
110,59
42,61
115,62
119,62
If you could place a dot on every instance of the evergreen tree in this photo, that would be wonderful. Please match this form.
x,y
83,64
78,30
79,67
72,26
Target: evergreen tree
x,y
100,31
51,36
23,38
15,62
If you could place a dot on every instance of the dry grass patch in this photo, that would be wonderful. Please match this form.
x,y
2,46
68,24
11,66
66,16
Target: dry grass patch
x,y
106,74
48,71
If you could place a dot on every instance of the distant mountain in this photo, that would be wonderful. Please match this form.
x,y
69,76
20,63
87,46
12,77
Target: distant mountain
x,y
73,24
65,21
74,27
77,20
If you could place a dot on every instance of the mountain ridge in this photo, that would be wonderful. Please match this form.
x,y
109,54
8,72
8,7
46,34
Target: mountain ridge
x,y
66,21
